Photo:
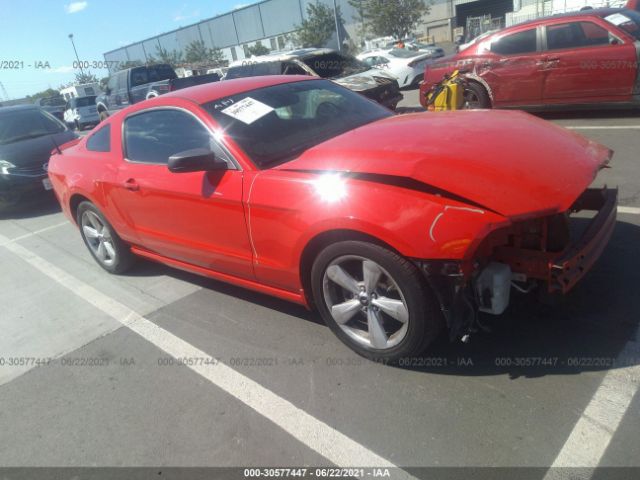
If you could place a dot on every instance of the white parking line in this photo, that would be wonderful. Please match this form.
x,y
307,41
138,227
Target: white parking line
x,y
602,127
593,432
31,234
314,433
632,210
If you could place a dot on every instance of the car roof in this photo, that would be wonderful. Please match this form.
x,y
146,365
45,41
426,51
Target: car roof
x,y
283,56
594,12
14,108
209,92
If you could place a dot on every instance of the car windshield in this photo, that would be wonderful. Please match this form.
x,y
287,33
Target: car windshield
x,y
84,102
334,65
629,21
19,125
276,124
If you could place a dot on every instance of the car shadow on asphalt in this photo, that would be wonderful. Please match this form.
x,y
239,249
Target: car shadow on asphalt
x,y
586,331
586,114
36,207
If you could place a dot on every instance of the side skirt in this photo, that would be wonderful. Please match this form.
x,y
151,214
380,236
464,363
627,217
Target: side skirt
x,y
298,298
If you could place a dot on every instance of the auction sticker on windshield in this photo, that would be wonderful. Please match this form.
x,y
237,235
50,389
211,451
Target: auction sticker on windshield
x,y
248,110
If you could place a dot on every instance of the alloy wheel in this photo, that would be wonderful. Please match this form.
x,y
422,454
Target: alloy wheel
x,y
99,239
365,302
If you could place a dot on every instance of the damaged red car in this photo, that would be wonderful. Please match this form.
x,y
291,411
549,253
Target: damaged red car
x,y
392,227
583,58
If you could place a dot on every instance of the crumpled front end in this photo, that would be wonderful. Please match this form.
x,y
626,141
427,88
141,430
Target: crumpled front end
x,y
542,249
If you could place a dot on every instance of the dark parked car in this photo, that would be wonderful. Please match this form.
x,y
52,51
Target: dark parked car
x,y
53,105
28,134
136,84
345,70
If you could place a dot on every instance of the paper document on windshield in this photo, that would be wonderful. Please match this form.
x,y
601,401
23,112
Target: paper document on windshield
x,y
248,110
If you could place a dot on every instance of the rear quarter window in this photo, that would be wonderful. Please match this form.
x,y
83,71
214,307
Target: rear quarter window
x,y
100,141
576,35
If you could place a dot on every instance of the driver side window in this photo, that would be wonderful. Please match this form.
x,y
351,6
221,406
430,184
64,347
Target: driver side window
x,y
153,136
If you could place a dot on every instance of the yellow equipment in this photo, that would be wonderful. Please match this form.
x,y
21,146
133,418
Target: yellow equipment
x,y
448,94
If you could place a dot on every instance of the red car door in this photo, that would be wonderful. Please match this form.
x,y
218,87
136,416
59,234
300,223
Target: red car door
x,y
195,217
510,66
587,62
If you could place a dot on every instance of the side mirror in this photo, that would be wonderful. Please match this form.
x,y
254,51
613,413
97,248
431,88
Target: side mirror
x,y
196,160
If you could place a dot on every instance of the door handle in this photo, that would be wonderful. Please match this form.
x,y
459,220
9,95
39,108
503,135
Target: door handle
x,y
132,185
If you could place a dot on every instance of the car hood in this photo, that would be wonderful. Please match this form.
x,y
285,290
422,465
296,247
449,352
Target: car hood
x,y
509,162
366,80
32,152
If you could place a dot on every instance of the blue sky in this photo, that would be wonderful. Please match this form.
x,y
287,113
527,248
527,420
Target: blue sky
x,y
33,31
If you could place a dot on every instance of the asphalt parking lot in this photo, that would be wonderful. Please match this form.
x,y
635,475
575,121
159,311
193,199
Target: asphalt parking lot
x,y
160,368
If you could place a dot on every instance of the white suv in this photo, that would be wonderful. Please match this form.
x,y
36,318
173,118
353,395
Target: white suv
x,y
80,112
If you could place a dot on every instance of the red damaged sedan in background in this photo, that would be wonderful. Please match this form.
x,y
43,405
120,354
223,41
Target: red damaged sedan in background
x,y
296,187
582,58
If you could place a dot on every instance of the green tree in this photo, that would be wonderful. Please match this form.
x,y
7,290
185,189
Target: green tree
x,y
319,25
196,51
397,18
217,58
85,78
258,49
173,57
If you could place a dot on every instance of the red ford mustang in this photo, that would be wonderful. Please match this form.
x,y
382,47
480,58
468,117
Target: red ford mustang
x,y
393,227
582,58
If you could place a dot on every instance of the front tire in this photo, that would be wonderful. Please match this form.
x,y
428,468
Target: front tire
x,y
375,301
104,244
475,96
103,115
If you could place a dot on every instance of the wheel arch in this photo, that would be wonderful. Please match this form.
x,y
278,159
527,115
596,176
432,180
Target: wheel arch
x,y
74,202
322,240
473,78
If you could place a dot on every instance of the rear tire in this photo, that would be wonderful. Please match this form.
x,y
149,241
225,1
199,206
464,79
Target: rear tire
x,y
104,244
375,301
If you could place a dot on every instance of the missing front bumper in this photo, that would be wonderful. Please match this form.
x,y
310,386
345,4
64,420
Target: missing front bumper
x,y
569,267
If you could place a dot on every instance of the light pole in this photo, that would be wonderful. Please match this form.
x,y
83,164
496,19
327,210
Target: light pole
x,y
335,15
77,58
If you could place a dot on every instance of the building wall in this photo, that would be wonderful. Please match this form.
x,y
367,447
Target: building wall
x,y
273,22
530,9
